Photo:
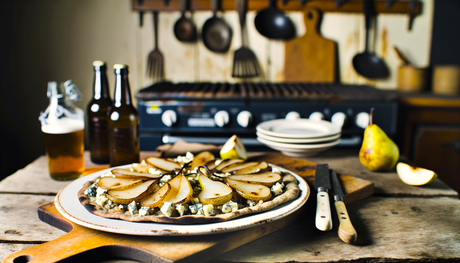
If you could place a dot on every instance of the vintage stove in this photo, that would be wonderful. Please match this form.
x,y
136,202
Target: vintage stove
x,y
212,112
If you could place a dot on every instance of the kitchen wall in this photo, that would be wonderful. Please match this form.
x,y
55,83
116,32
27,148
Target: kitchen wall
x,y
44,40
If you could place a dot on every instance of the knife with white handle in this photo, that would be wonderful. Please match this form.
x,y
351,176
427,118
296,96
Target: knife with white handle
x,y
346,230
323,209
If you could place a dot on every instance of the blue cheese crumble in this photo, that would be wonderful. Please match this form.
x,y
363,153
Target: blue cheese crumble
x,y
167,209
254,203
164,179
277,188
101,198
144,211
207,210
132,208
181,209
155,171
229,207
195,209
276,170
91,191
185,159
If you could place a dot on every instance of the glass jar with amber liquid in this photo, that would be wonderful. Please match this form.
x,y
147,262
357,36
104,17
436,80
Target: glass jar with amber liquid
x,y
97,110
62,125
123,122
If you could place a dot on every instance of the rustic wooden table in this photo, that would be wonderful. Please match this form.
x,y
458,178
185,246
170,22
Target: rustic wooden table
x,y
398,223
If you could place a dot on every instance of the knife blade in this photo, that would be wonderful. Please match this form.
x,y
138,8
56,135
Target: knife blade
x,y
323,210
346,230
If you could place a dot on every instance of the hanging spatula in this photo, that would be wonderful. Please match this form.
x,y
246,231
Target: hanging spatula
x,y
245,63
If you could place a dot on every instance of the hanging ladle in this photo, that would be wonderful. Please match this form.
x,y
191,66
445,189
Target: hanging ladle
x,y
368,64
216,33
184,28
273,23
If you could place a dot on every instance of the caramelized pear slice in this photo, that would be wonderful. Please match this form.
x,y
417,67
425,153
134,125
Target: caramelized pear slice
x,y
265,178
144,168
108,183
156,198
246,168
254,192
135,193
163,164
123,173
214,192
202,158
181,190
228,162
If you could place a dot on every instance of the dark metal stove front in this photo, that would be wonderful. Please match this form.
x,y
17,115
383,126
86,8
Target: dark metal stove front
x,y
212,112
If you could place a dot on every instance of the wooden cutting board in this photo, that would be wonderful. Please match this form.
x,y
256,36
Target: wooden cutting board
x,y
81,244
311,58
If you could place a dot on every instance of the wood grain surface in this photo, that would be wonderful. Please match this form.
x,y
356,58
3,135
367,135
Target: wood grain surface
x,y
311,58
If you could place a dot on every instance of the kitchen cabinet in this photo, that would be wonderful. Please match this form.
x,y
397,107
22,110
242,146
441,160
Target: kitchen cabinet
x,y
430,134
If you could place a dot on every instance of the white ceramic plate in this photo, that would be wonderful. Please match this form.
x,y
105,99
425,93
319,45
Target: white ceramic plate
x,y
299,150
303,141
298,129
69,206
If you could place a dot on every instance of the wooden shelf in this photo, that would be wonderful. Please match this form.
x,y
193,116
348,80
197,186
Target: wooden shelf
x,y
410,7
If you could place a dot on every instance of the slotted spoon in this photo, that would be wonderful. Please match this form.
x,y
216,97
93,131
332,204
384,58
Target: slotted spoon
x,y
155,62
245,63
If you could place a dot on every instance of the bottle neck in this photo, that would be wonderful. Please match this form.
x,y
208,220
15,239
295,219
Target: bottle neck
x,y
122,91
101,86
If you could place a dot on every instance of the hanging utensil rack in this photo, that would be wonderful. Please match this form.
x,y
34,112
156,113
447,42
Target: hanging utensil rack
x,y
410,7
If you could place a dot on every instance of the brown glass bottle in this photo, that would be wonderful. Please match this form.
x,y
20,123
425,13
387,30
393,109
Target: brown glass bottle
x,y
123,120
97,110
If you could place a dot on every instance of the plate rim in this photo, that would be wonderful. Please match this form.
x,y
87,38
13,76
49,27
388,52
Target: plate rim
x,y
298,140
299,146
335,130
162,229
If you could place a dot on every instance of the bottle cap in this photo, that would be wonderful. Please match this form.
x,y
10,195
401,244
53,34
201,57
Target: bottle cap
x,y
99,63
120,66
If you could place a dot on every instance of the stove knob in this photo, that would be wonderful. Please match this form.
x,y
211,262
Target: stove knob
x,y
316,116
339,119
169,118
244,118
362,119
221,118
292,116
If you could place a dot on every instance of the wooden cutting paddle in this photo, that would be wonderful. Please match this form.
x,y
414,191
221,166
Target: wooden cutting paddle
x,y
310,58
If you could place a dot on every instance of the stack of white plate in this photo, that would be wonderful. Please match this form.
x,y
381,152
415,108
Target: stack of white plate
x,y
298,138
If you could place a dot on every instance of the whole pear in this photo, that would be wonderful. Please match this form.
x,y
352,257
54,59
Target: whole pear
x,y
378,152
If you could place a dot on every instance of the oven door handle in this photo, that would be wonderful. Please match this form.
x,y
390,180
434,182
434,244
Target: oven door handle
x,y
208,140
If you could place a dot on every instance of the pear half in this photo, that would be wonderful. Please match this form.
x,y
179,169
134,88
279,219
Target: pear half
x,y
414,175
266,178
181,190
254,192
214,192
135,193
233,149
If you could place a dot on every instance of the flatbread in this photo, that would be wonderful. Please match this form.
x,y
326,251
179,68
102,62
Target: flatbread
x,y
290,192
